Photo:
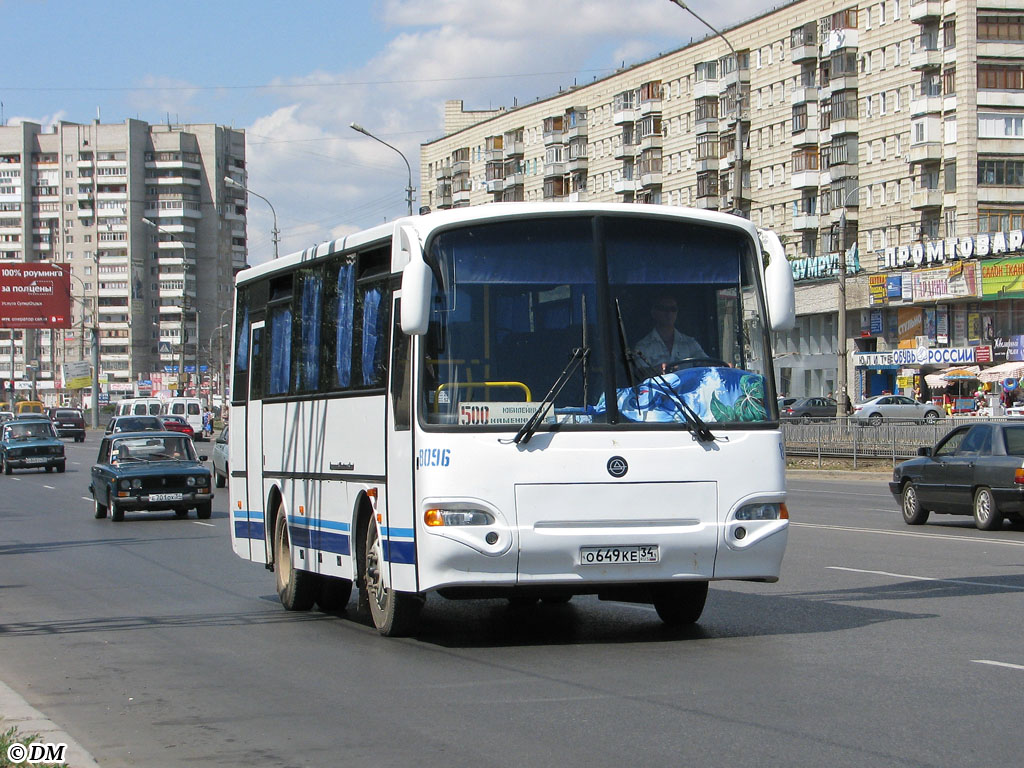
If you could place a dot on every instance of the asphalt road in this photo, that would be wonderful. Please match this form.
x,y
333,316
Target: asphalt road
x,y
153,645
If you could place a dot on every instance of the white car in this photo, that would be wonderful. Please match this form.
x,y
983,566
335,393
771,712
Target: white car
x,y
220,459
895,408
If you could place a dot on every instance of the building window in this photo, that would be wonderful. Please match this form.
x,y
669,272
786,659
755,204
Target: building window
x,y
997,28
949,82
799,118
993,77
997,172
950,176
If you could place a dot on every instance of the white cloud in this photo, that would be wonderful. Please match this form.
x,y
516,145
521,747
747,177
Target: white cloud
x,y
325,179
46,121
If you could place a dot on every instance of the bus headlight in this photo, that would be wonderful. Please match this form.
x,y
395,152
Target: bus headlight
x,y
439,517
763,511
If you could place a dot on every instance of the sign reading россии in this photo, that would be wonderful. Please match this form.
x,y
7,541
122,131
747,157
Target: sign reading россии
x,y
918,356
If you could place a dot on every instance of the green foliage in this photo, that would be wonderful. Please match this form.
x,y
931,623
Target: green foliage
x,y
749,406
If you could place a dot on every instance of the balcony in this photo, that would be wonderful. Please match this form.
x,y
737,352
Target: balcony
x,y
495,185
461,197
803,52
513,149
654,141
443,172
460,167
623,151
925,105
707,164
840,127
650,179
805,180
838,39
805,94
624,116
805,138
926,58
650,107
578,164
494,155
706,125
554,169
707,203
805,221
925,152
924,10
926,198
705,88
553,137
625,186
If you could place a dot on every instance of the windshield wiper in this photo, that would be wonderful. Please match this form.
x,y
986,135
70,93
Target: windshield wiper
x,y
693,421
526,431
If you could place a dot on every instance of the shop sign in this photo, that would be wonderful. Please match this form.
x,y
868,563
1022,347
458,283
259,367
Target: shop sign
x,y
1002,279
877,324
1008,350
957,281
954,248
818,267
911,324
878,292
942,325
922,356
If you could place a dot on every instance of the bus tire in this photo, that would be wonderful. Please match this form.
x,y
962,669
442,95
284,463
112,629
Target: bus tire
x,y
332,593
394,613
294,587
680,603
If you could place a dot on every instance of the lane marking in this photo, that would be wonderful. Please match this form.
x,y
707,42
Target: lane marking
x,y
211,525
997,663
87,498
51,487
947,537
1012,588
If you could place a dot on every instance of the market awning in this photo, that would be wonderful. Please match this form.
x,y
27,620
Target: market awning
x,y
1003,371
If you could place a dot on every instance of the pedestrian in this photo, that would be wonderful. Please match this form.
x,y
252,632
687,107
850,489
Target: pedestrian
x,y
207,423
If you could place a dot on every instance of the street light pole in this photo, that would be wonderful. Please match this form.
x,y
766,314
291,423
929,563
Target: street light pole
x,y
842,383
409,190
275,234
737,194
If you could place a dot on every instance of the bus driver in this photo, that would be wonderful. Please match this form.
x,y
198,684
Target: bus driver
x,y
664,344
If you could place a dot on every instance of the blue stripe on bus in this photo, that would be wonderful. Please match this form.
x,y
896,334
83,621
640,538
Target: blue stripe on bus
x,y
246,529
314,538
405,533
400,551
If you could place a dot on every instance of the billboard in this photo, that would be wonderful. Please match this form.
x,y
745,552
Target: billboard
x,y
35,296
1002,279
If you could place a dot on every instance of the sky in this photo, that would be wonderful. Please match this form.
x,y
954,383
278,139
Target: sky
x,y
295,75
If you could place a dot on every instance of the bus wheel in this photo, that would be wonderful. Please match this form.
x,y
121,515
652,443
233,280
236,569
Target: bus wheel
x,y
394,613
680,603
332,593
294,587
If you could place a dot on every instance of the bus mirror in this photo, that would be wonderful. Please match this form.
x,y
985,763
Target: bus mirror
x,y
417,282
778,284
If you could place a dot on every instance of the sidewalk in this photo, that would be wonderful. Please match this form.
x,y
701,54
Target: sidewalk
x,y
17,712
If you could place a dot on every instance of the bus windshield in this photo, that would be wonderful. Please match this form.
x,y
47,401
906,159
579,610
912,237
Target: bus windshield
x,y
644,317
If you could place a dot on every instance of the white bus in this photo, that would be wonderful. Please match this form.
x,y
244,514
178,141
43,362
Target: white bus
x,y
458,404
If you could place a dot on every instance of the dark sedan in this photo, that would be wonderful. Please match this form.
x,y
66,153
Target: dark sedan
x,y
30,444
135,424
148,471
974,470
68,422
807,408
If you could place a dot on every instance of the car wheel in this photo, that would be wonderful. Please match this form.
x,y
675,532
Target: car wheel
x,y
220,480
203,511
116,512
294,587
986,514
875,419
61,467
6,466
805,418
931,417
394,613
99,510
80,439
910,505
681,603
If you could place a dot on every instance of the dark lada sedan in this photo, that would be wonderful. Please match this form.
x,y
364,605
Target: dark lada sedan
x,y
30,444
974,470
149,471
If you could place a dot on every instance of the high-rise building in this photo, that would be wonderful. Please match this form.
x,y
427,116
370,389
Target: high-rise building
x,y
895,125
152,235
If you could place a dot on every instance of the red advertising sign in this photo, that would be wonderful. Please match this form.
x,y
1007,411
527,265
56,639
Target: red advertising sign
x,y
35,295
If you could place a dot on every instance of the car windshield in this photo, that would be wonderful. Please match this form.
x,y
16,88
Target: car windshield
x,y
28,431
138,424
639,316
164,448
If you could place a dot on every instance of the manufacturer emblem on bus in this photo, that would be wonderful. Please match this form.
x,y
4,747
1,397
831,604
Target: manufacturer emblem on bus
x,y
617,466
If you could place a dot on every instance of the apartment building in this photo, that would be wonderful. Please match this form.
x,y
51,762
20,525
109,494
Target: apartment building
x,y
891,132
152,235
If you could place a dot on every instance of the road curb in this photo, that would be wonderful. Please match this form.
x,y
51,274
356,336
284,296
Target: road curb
x,y
824,474
28,720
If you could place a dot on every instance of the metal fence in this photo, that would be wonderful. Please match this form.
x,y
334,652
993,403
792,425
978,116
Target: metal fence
x,y
842,438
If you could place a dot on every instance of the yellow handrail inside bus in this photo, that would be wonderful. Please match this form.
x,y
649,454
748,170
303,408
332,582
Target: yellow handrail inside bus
x,y
486,385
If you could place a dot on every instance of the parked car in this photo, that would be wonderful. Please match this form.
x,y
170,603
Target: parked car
x,y
974,470
6,416
807,408
895,408
69,422
220,459
178,424
30,443
135,424
150,471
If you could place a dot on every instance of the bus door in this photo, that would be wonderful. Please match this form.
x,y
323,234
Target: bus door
x,y
401,507
254,501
